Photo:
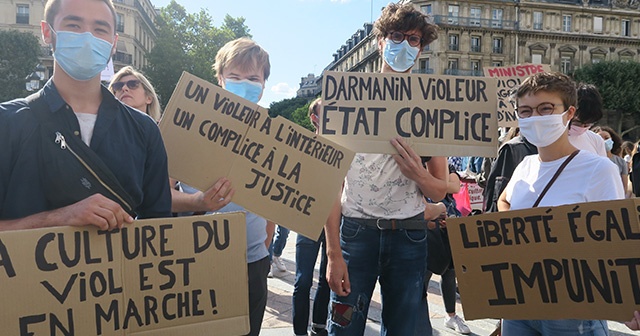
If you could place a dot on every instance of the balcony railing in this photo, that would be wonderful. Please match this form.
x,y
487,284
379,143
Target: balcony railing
x,y
423,71
123,58
474,22
497,50
537,25
454,47
463,72
476,48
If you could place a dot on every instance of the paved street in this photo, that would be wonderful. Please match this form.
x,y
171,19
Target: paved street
x,y
277,318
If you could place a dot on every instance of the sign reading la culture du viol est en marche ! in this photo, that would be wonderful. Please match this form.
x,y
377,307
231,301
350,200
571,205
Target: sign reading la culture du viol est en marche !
x,y
167,276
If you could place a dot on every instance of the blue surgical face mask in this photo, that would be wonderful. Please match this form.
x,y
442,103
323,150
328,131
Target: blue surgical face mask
x,y
244,88
608,144
81,55
400,56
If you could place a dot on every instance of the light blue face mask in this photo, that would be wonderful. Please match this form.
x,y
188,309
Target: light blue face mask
x,y
608,144
400,56
81,55
244,88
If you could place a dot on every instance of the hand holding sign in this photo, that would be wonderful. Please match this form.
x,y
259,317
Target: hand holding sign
x,y
635,323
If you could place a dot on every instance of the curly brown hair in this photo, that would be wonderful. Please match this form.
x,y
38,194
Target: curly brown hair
x,y
617,140
404,18
551,82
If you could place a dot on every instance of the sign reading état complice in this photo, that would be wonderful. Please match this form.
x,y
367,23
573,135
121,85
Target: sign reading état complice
x,y
578,261
437,115
169,276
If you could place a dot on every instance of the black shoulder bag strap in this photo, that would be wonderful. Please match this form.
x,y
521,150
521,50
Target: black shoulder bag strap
x,y
555,176
69,169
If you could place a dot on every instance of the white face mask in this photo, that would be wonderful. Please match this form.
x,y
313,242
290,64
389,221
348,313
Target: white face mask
x,y
542,131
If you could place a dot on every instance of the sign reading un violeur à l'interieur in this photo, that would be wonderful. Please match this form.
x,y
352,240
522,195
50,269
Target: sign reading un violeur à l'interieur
x,y
280,170
578,261
437,115
168,276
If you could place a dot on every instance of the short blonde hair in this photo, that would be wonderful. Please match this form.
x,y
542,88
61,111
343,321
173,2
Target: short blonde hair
x,y
243,53
153,109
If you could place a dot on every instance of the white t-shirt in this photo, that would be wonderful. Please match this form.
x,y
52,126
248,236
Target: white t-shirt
x,y
376,188
587,178
589,141
86,121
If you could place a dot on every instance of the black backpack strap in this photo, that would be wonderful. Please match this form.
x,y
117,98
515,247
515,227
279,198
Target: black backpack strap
x,y
70,170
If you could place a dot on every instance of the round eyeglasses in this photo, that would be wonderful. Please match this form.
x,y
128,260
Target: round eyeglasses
x,y
542,109
398,37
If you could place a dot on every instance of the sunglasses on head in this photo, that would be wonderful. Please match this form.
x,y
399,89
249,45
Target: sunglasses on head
x,y
131,84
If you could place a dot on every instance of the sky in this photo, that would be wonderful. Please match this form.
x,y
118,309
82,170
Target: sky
x,y
300,36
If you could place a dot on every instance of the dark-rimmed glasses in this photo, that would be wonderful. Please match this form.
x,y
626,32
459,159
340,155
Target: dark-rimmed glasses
x,y
398,37
131,84
542,109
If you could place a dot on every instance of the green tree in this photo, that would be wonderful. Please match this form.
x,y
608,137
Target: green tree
x,y
286,107
618,83
18,58
187,42
301,117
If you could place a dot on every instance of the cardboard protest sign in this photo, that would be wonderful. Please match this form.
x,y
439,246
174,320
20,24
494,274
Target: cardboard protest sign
x,y
279,170
437,115
575,261
170,276
509,77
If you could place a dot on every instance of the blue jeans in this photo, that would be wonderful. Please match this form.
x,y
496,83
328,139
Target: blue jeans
x,y
554,327
279,241
397,259
306,255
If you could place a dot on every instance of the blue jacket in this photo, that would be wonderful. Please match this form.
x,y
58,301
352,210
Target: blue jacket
x,y
126,140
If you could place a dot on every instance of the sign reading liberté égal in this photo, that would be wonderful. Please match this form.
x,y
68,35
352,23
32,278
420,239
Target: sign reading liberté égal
x,y
280,170
576,261
437,115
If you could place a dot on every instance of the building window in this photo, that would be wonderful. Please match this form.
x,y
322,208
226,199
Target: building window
x,y
565,64
536,58
597,58
496,63
426,9
497,45
626,28
119,23
453,64
537,20
424,65
496,18
475,16
597,24
453,14
475,68
566,23
22,14
476,44
454,42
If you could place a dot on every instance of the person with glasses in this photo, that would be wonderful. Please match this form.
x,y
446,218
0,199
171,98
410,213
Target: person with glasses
x,y
376,231
545,104
589,111
134,89
83,38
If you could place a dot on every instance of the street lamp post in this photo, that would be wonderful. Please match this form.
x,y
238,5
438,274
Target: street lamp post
x,y
32,82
